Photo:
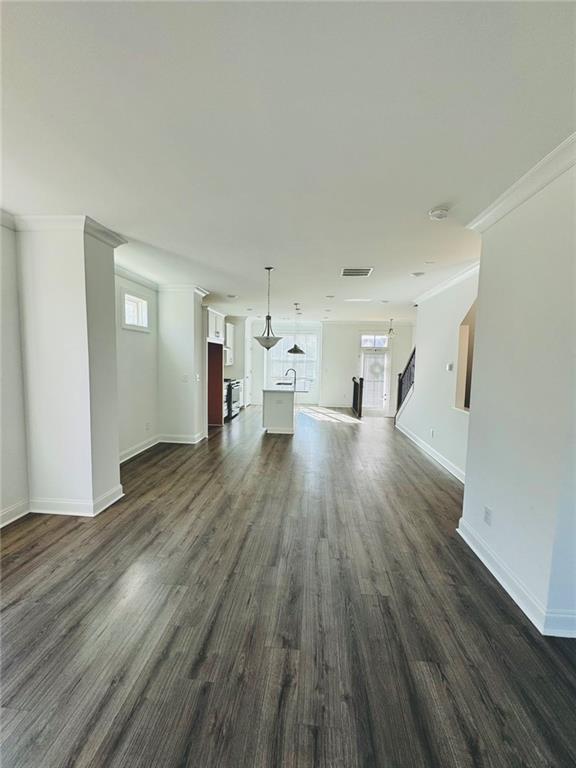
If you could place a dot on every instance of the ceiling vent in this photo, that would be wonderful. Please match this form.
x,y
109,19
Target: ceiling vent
x,y
356,271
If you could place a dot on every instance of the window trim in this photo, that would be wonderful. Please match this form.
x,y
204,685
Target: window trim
x,y
129,326
374,335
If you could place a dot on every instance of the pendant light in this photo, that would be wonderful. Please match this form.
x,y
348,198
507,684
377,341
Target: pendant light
x,y
268,340
391,331
296,350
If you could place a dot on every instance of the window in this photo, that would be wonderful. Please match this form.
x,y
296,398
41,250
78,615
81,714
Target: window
x,y
306,365
135,313
369,341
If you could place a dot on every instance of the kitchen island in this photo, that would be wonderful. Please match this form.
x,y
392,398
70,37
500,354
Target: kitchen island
x,y
278,409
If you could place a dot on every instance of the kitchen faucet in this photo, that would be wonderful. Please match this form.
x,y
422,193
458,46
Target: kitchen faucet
x,y
288,371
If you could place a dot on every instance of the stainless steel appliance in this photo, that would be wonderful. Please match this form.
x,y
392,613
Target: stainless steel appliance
x,y
233,389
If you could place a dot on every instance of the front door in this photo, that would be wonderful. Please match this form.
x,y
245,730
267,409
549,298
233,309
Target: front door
x,y
375,370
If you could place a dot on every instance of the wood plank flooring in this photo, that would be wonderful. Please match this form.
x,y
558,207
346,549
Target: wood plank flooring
x,y
273,602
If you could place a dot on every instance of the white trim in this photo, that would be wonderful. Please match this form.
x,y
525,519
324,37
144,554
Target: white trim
x,y
138,448
518,591
7,219
170,288
102,233
183,439
543,173
107,499
134,278
459,278
201,291
76,507
366,326
446,463
559,623
554,622
69,223
279,431
13,512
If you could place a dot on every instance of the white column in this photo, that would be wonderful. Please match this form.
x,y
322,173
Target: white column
x,y
69,353
182,351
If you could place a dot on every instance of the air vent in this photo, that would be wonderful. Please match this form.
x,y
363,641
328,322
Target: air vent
x,y
356,271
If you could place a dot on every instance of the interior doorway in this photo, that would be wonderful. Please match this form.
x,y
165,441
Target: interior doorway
x,y
376,373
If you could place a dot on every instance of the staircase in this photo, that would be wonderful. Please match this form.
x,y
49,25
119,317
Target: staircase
x,y
406,380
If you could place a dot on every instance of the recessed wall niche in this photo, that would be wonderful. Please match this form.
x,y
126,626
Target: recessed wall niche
x,y
465,358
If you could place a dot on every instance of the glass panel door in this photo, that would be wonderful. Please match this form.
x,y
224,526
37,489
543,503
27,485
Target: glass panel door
x,y
376,379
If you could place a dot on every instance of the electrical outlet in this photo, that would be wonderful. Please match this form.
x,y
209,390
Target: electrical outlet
x,y
487,515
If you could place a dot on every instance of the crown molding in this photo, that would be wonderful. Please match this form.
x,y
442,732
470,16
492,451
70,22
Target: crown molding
x,y
102,233
367,325
171,288
459,278
201,291
42,223
134,277
543,173
7,220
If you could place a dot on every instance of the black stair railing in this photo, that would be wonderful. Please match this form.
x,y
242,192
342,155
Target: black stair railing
x,y
357,395
406,379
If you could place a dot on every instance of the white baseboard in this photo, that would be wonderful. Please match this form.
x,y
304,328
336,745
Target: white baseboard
x,y
560,623
129,453
556,623
76,507
183,439
138,448
13,512
107,499
446,463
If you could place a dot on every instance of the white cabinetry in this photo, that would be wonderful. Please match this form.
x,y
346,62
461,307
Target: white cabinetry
x,y
278,411
229,345
215,326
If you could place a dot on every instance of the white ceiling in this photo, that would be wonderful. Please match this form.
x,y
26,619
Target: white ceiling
x,y
308,136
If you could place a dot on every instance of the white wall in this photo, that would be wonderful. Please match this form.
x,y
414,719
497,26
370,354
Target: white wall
x,y
101,312
181,350
67,310
13,469
137,353
342,359
57,378
521,461
257,362
431,406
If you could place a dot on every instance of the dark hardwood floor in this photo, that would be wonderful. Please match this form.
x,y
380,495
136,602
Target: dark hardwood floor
x,y
270,602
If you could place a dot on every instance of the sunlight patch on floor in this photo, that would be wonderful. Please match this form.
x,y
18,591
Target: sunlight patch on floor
x,y
327,414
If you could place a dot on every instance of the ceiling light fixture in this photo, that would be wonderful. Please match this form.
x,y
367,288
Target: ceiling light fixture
x,y
329,296
268,339
295,349
439,213
417,274
391,331
231,296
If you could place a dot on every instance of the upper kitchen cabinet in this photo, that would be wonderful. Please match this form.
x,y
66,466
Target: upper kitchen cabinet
x,y
216,330
229,345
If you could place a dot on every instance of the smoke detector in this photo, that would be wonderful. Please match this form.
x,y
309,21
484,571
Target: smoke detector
x,y
438,214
